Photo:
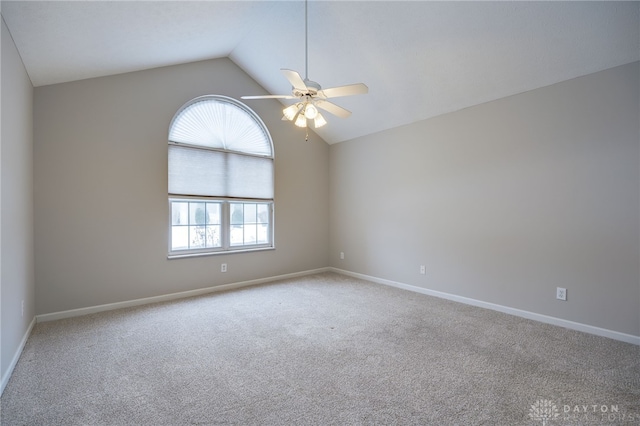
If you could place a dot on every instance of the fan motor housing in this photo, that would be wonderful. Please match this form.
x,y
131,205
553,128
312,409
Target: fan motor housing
x,y
312,89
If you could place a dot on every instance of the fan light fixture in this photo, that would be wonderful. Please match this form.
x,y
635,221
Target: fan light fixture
x,y
319,121
310,111
291,111
310,96
300,112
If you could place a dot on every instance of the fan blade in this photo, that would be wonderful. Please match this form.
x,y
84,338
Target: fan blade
x,y
269,97
294,78
334,109
349,90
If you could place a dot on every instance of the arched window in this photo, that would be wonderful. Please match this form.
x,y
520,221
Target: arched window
x,y
220,178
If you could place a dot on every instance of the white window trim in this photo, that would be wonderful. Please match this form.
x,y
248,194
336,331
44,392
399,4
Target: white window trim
x,y
226,247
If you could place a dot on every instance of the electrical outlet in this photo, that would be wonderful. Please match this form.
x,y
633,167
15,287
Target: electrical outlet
x,y
342,255
223,267
561,293
423,269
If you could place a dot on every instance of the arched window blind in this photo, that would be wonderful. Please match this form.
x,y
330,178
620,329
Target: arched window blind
x,y
219,147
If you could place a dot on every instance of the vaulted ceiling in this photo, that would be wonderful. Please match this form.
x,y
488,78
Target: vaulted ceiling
x,y
420,59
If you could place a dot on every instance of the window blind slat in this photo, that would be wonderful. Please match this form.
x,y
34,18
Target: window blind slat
x,y
214,123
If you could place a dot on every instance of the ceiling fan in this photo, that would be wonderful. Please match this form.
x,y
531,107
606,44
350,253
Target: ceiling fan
x,y
310,95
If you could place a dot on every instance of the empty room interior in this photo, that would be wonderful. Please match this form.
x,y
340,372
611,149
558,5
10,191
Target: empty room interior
x,y
322,212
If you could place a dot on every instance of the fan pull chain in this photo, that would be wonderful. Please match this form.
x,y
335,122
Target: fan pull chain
x,y
306,138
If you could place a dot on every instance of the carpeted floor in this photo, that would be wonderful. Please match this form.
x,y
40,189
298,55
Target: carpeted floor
x,y
319,350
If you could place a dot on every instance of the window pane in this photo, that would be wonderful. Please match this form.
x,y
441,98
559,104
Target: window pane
x,y
250,224
179,237
197,236
200,224
250,213
179,213
250,234
263,234
237,214
237,235
213,213
213,236
197,214
263,213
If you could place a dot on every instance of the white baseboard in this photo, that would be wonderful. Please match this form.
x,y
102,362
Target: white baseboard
x,y
166,297
16,356
629,338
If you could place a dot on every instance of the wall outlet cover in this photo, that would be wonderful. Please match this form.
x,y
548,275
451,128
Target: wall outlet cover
x,y
561,293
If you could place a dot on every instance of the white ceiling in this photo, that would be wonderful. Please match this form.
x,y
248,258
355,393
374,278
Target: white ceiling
x,y
420,59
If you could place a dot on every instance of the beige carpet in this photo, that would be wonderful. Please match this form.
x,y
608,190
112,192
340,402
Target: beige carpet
x,y
319,350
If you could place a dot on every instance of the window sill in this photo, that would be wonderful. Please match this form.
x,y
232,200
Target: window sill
x,y
217,253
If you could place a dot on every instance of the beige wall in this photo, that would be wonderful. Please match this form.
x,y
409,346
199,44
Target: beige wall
x,y
504,202
101,221
16,201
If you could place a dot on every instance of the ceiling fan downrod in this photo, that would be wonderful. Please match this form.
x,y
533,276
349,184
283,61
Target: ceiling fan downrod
x,y
306,41
309,94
